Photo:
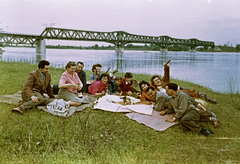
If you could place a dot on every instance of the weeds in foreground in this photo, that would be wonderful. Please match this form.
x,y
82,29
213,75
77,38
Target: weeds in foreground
x,y
234,92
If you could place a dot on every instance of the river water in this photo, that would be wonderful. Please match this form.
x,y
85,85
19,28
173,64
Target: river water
x,y
210,69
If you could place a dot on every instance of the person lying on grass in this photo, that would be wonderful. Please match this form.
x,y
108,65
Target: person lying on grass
x,y
160,84
114,86
185,111
161,102
100,88
126,85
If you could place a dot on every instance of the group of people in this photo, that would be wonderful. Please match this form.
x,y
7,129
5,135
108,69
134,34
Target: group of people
x,y
167,97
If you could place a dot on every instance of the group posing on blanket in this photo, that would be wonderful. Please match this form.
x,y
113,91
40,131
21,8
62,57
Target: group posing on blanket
x,y
166,97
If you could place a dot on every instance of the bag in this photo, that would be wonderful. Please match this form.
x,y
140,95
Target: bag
x,y
58,105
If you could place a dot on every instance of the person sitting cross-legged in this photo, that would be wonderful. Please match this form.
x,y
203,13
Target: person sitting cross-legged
x,y
69,85
38,82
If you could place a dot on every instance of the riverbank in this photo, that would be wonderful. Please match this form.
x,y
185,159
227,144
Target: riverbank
x,y
94,136
145,48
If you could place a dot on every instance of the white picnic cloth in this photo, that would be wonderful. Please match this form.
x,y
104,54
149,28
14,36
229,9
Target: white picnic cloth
x,y
108,103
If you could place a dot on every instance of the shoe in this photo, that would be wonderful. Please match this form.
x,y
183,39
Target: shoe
x,y
17,110
214,101
19,103
216,123
205,131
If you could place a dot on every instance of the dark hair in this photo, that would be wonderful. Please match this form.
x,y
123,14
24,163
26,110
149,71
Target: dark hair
x,y
69,64
153,77
42,63
148,88
96,65
80,63
143,82
104,75
172,86
128,75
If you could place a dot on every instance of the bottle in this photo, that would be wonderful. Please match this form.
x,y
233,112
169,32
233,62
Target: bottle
x,y
106,93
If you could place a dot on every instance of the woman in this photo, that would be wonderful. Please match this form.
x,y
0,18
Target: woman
x,y
158,83
69,85
100,88
143,85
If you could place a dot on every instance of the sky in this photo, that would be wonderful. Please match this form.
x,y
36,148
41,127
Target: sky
x,y
208,20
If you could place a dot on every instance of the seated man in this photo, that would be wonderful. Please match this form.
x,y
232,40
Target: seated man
x,y
82,76
185,111
96,68
38,82
114,86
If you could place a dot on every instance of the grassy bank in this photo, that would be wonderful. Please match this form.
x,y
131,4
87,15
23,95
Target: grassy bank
x,y
94,136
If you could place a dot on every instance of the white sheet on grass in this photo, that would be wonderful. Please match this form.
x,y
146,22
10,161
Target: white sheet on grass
x,y
106,103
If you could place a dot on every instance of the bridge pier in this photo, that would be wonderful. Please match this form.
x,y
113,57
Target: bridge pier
x,y
192,49
40,51
119,49
163,50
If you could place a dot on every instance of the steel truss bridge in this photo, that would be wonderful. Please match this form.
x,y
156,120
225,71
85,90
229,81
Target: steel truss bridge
x,y
118,38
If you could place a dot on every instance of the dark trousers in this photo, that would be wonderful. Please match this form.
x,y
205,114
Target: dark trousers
x,y
30,104
190,121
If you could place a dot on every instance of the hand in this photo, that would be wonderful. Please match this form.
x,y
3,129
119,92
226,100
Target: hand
x,y
170,120
35,99
103,92
129,93
162,113
79,87
117,93
75,86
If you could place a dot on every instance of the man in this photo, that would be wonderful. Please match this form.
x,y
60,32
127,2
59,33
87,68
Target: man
x,y
185,111
82,76
38,82
96,68
161,99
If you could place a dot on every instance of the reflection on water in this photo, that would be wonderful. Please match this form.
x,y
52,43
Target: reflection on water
x,y
208,69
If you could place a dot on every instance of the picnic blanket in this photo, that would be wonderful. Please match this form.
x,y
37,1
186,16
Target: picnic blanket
x,y
155,121
15,98
110,103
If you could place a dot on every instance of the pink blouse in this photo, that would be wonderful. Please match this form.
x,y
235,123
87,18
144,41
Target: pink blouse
x,y
67,79
97,87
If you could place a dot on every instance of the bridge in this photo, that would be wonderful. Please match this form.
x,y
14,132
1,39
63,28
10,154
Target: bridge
x,y
118,38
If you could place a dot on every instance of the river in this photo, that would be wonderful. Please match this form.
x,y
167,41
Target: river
x,y
210,69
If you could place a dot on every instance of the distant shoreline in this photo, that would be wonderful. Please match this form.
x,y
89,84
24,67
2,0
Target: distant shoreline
x,y
136,48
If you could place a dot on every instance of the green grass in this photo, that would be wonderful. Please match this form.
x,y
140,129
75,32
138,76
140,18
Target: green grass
x,y
95,136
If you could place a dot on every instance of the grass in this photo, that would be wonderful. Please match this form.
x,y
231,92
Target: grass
x,y
95,136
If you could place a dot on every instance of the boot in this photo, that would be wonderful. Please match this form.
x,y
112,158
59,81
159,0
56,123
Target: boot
x,y
205,131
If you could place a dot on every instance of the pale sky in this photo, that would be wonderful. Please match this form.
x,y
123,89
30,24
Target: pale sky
x,y
208,20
